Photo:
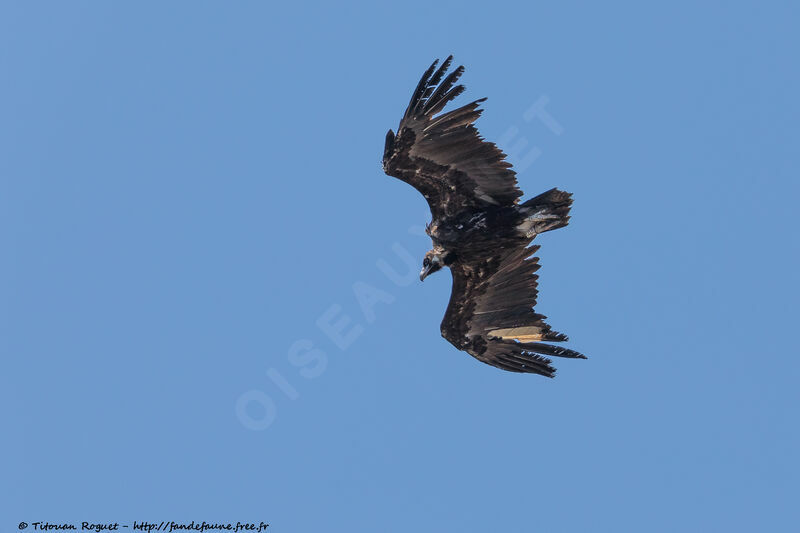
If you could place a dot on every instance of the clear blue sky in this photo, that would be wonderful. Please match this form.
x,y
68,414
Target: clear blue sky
x,y
192,202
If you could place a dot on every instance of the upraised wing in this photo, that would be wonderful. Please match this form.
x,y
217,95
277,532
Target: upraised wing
x,y
442,155
490,314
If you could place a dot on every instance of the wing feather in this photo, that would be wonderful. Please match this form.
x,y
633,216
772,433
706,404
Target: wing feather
x,y
491,316
442,154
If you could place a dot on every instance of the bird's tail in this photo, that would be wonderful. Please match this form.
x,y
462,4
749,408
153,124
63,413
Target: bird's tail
x,y
548,211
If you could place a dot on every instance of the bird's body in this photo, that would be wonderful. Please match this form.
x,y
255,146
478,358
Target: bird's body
x,y
472,232
478,228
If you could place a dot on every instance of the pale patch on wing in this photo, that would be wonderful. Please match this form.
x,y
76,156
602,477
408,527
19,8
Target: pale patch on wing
x,y
480,193
533,224
522,334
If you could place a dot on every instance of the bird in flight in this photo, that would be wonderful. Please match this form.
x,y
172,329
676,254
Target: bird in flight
x,y
479,228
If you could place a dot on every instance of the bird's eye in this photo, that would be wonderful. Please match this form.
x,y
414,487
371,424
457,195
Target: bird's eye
x,y
426,262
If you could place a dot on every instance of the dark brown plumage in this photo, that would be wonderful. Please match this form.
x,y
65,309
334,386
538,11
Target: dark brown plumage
x,y
478,228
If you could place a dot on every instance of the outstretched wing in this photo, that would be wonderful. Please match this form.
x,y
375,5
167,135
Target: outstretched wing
x,y
442,155
490,314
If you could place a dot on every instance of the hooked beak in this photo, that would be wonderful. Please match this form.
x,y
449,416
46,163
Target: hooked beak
x,y
424,272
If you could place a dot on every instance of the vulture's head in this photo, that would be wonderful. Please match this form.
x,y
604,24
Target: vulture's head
x,y
434,260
